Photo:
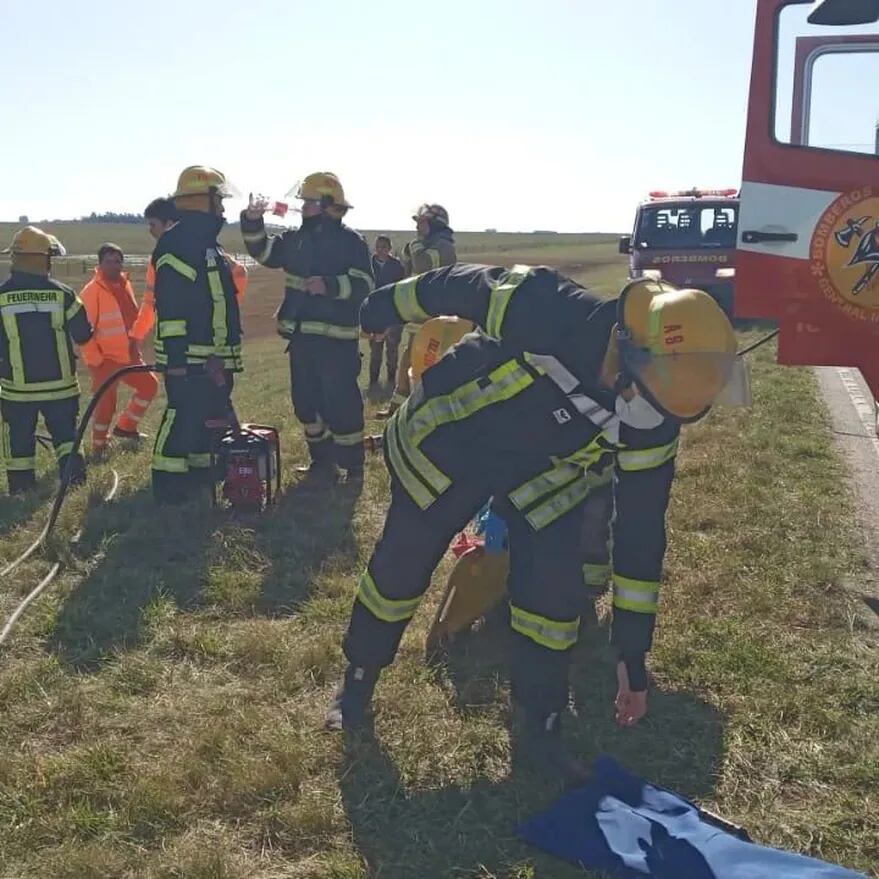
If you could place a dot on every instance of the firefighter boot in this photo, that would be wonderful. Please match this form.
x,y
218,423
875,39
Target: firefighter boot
x,y
322,468
353,699
21,481
541,748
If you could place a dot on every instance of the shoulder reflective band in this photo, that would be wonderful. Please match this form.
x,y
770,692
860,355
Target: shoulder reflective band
x,y
169,329
566,381
406,301
363,276
639,596
332,331
345,288
74,309
500,299
554,634
434,256
173,262
647,459
219,318
388,609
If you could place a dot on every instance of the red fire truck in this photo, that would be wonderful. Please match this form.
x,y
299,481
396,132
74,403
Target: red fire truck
x,y
808,233
688,238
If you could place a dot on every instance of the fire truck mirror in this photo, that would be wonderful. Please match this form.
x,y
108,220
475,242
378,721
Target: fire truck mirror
x,y
625,244
825,62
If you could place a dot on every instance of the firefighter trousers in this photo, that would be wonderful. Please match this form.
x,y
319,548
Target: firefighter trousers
x,y
20,443
182,455
390,348
326,398
545,586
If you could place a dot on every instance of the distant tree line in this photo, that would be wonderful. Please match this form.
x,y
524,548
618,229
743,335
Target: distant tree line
x,y
111,217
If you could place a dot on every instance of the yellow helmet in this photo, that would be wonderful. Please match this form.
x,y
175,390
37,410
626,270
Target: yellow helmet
x,y
201,180
678,346
322,186
34,240
433,339
435,212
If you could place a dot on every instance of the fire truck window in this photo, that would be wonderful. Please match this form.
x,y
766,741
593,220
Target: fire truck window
x,y
689,228
827,77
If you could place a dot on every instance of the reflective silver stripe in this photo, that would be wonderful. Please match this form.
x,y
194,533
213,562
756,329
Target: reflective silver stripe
x,y
317,328
389,610
647,459
363,276
345,288
348,439
566,382
558,504
43,307
548,481
500,299
113,331
554,634
635,595
266,252
415,488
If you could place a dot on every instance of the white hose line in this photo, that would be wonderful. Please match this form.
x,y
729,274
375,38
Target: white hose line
x,y
38,589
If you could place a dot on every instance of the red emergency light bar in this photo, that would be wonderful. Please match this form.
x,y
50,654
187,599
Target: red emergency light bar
x,y
694,193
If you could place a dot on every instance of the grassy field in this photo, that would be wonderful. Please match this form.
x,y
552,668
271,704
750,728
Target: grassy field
x,y
160,708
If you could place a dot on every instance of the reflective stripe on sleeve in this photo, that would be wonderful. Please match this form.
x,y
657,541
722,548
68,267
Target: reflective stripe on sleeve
x,y
406,301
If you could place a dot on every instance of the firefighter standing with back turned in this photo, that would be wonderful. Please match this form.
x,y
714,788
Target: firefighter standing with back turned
x,y
198,338
434,247
328,275
557,387
40,318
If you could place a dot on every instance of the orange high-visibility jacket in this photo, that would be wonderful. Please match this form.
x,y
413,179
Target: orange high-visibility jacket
x,y
146,318
112,313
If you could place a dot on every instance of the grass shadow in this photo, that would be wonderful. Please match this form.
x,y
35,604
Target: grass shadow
x,y
468,829
17,510
143,551
309,528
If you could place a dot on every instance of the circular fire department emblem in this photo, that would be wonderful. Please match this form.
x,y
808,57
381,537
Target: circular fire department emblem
x,y
844,253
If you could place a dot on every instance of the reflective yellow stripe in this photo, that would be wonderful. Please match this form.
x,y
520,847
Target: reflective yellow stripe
x,y
596,575
388,609
504,383
348,439
168,259
345,289
160,461
406,301
363,276
560,503
500,299
549,480
294,282
10,324
18,464
63,449
592,453
199,460
333,331
170,329
637,595
434,256
554,634
413,485
219,318
647,459
74,309
33,394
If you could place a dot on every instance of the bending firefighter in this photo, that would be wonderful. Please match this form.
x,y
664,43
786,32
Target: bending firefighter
x,y
40,318
434,247
537,432
327,276
112,310
198,338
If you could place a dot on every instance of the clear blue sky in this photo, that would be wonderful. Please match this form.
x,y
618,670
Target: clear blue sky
x,y
515,114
